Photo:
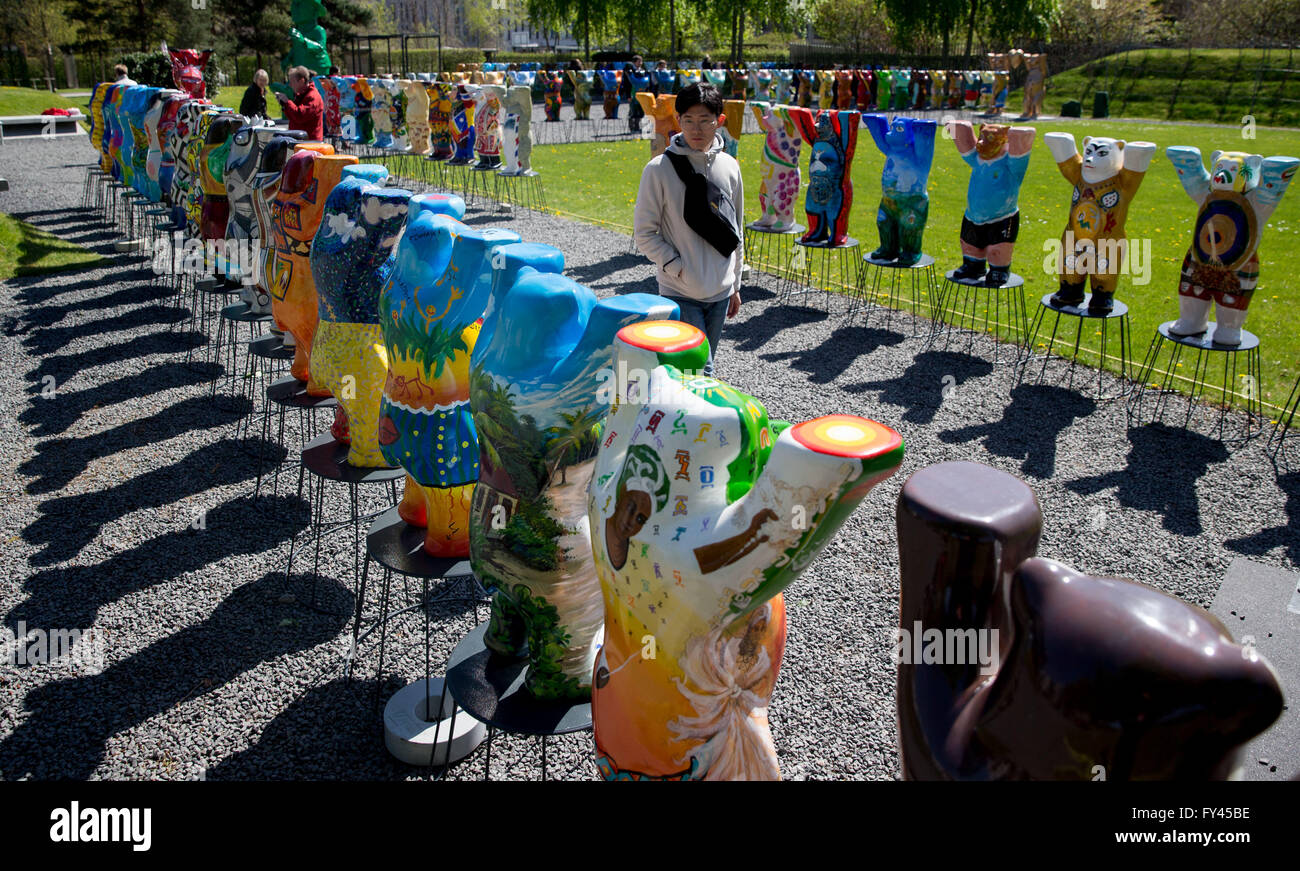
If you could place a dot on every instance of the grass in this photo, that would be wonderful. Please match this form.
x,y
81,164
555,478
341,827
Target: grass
x,y
25,250
27,101
597,183
1216,85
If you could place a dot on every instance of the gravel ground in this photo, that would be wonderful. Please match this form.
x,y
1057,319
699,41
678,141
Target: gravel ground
x,y
215,669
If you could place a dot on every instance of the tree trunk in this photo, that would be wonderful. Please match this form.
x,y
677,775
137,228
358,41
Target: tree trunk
x,y
740,37
672,28
586,30
629,37
947,33
970,28
731,46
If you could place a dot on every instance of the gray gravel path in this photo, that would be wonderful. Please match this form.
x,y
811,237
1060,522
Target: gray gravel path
x,y
213,671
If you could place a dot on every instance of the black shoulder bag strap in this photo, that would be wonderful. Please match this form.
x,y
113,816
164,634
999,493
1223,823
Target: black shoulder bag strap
x,y
701,206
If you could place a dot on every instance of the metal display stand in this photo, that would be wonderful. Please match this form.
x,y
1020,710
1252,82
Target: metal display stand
x,y
800,263
1282,428
491,688
764,244
1097,390
326,458
282,395
967,295
1207,354
235,317
921,281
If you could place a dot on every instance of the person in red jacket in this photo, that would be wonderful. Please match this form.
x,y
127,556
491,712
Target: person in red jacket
x,y
306,111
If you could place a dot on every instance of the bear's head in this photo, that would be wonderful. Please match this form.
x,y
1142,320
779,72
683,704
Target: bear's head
x,y
1103,158
993,140
1235,171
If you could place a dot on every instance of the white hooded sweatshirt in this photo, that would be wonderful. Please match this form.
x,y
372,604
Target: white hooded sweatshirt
x,y
688,266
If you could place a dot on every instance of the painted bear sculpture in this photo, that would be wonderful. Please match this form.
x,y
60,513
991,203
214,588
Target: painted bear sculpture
x,y
1234,200
438,285
778,169
417,115
534,387
1106,177
349,255
662,108
517,132
834,138
991,222
1054,674
582,81
908,146
297,211
702,510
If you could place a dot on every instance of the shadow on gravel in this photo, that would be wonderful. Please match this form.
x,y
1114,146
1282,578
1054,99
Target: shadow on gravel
x,y
64,366
51,339
68,523
761,327
1164,464
593,273
45,316
920,389
832,358
1285,536
341,720
42,288
49,417
330,731
59,461
71,596
68,722
1029,427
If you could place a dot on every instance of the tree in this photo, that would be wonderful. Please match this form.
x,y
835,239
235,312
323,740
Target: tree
x,y
257,26
858,25
581,16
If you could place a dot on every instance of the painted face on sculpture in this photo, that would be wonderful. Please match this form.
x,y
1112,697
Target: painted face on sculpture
x,y
1235,171
630,515
1103,158
993,140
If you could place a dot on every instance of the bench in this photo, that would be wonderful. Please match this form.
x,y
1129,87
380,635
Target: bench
x,y
40,125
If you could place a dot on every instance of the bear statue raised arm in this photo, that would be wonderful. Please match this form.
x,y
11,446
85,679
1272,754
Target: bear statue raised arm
x,y
701,512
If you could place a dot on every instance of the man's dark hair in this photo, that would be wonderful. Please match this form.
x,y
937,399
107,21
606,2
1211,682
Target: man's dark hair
x,y
699,94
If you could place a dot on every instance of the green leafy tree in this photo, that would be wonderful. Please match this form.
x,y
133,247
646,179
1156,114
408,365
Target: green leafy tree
x,y
858,25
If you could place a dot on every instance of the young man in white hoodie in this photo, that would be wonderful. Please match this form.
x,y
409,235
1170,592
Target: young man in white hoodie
x,y
694,235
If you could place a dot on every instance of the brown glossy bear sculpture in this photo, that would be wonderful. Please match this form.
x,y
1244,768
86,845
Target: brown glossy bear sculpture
x,y
1091,678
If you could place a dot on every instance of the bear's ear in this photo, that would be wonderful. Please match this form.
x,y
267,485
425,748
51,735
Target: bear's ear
x,y
1255,161
1086,140
1119,143
1214,158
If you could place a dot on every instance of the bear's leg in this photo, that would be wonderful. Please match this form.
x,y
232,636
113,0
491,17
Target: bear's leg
x,y
887,224
913,213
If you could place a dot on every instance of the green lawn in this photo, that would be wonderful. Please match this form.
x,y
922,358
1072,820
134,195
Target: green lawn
x,y
597,183
1219,85
27,101
25,250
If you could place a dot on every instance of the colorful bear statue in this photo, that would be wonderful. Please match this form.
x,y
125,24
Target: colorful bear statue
x,y
833,137
1105,178
517,132
908,146
662,108
582,81
297,212
417,116
362,222
1234,200
611,81
441,108
991,223
701,511
438,284
487,126
778,169
275,153
554,83
535,374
